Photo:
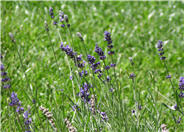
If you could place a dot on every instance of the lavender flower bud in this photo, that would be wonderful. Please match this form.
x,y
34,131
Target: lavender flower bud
x,y
132,75
80,36
46,26
107,67
66,18
113,65
12,37
169,76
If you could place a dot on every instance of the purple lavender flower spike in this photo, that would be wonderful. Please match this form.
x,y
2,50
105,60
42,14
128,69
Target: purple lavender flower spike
x,y
161,50
107,67
20,109
113,65
7,86
84,93
6,79
162,58
99,51
95,65
51,12
91,59
169,76
3,73
179,120
62,25
54,23
132,75
71,78
2,67
102,57
159,44
14,100
86,73
181,95
75,107
110,52
27,120
181,83
73,55
104,116
107,37
108,78
100,75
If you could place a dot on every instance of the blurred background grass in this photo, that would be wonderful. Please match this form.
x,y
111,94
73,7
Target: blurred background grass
x,y
135,26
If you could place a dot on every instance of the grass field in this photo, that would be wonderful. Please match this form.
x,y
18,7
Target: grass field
x,y
40,72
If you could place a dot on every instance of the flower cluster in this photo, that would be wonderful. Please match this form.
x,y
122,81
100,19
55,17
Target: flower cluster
x,y
83,73
132,76
75,107
27,120
181,86
161,50
103,115
63,19
94,66
91,59
107,37
16,103
99,51
51,12
4,78
73,55
84,92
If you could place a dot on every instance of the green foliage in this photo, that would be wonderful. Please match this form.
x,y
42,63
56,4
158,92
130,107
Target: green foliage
x,y
135,28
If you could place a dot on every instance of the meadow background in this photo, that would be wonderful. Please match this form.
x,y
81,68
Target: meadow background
x,y
135,27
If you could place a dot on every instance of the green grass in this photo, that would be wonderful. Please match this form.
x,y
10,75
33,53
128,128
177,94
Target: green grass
x,y
135,27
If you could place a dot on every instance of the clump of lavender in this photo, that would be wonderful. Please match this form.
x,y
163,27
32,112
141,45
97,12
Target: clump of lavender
x,y
51,12
99,51
73,55
85,92
107,38
103,115
61,18
27,120
181,87
94,66
91,59
161,50
15,102
4,78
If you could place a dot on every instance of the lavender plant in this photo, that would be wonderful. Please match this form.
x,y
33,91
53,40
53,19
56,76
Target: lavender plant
x,y
94,93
